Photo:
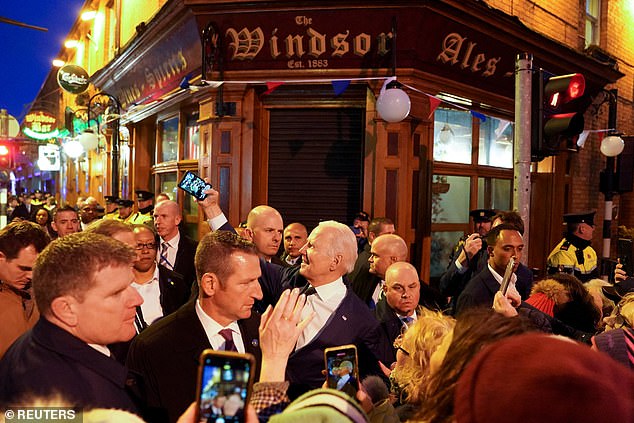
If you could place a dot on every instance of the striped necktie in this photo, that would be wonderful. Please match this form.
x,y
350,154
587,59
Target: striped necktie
x,y
163,261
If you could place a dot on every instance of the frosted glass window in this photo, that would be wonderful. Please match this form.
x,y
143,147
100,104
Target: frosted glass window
x,y
452,136
496,143
450,199
442,243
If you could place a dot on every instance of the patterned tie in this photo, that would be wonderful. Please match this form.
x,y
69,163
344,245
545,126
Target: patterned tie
x,y
163,261
407,320
227,334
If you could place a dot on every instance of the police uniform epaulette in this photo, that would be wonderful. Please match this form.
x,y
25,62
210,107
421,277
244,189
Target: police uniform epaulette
x,y
565,245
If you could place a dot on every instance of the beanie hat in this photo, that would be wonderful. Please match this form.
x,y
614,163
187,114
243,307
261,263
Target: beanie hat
x,y
545,295
322,406
618,344
538,378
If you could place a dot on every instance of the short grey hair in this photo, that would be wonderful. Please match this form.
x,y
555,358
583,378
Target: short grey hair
x,y
342,241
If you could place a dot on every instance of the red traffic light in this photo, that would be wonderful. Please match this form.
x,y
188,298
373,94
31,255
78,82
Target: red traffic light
x,y
4,150
564,88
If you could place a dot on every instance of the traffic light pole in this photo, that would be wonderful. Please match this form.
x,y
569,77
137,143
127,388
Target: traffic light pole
x,y
522,145
609,184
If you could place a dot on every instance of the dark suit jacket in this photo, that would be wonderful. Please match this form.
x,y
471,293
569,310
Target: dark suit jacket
x,y
47,360
184,263
479,292
390,323
452,282
361,269
174,290
21,212
166,357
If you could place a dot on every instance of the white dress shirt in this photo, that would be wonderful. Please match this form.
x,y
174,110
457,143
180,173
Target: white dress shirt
x,y
150,291
499,280
378,289
324,302
212,328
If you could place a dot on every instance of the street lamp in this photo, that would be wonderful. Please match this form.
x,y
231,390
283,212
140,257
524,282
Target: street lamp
x,y
112,113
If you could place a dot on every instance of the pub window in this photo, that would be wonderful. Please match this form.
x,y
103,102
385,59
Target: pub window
x,y
473,168
169,139
167,183
191,150
593,11
496,143
452,136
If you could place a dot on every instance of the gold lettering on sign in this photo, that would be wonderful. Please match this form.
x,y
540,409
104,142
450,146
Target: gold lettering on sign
x,y
340,45
316,43
275,51
451,46
245,44
452,51
362,44
294,46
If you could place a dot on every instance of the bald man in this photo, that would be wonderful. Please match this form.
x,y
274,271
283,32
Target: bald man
x,y
385,250
295,236
397,309
264,228
176,250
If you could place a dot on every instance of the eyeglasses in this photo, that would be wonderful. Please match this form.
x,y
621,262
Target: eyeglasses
x,y
398,344
146,246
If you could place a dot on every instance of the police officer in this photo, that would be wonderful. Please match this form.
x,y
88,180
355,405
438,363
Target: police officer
x,y
125,210
574,254
468,256
145,206
112,207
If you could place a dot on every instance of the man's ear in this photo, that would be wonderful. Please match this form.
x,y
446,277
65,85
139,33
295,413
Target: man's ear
x,y
178,219
209,284
248,234
490,250
63,309
54,225
337,259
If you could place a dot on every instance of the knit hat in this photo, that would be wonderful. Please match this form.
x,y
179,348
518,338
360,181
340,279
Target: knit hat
x,y
618,344
322,406
545,295
538,378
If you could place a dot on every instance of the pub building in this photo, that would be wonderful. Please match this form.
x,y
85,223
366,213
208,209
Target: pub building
x,y
276,103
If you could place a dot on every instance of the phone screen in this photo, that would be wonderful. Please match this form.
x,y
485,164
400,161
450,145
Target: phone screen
x,y
225,381
342,367
194,185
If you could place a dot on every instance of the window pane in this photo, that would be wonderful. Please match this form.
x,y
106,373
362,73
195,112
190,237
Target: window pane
x,y
452,136
450,199
592,8
169,139
494,193
167,182
496,143
441,245
192,137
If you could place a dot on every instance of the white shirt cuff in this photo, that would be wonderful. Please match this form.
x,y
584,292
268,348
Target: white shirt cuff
x,y
216,222
461,268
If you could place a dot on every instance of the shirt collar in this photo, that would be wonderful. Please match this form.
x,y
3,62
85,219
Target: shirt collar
x,y
174,241
333,290
210,325
499,278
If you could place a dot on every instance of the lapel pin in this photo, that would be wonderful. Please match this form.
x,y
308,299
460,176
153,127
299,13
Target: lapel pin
x,y
255,343
344,317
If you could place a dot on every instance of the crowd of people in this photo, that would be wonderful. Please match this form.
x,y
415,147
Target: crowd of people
x,y
110,308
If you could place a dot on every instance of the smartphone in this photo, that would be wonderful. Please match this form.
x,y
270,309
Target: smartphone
x,y
194,185
225,381
504,286
342,369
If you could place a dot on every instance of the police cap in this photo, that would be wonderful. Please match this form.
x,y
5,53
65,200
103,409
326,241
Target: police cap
x,y
142,195
111,199
482,215
580,217
125,203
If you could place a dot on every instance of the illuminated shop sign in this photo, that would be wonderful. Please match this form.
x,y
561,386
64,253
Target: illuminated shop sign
x,y
40,125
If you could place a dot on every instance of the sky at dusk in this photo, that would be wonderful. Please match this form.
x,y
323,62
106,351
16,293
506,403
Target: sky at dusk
x,y
27,53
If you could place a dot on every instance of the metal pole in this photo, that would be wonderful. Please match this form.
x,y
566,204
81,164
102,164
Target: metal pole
x,y
522,144
115,149
609,183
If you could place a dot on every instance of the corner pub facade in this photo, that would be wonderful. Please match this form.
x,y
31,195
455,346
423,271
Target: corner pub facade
x,y
282,137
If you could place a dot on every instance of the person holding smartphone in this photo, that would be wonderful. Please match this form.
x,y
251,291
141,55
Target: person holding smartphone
x,y
504,242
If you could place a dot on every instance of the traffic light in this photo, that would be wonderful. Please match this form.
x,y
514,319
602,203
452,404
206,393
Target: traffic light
x,y
557,107
6,155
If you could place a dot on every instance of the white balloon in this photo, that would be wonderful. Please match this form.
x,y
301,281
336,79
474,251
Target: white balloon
x,y
73,149
612,146
393,105
89,140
